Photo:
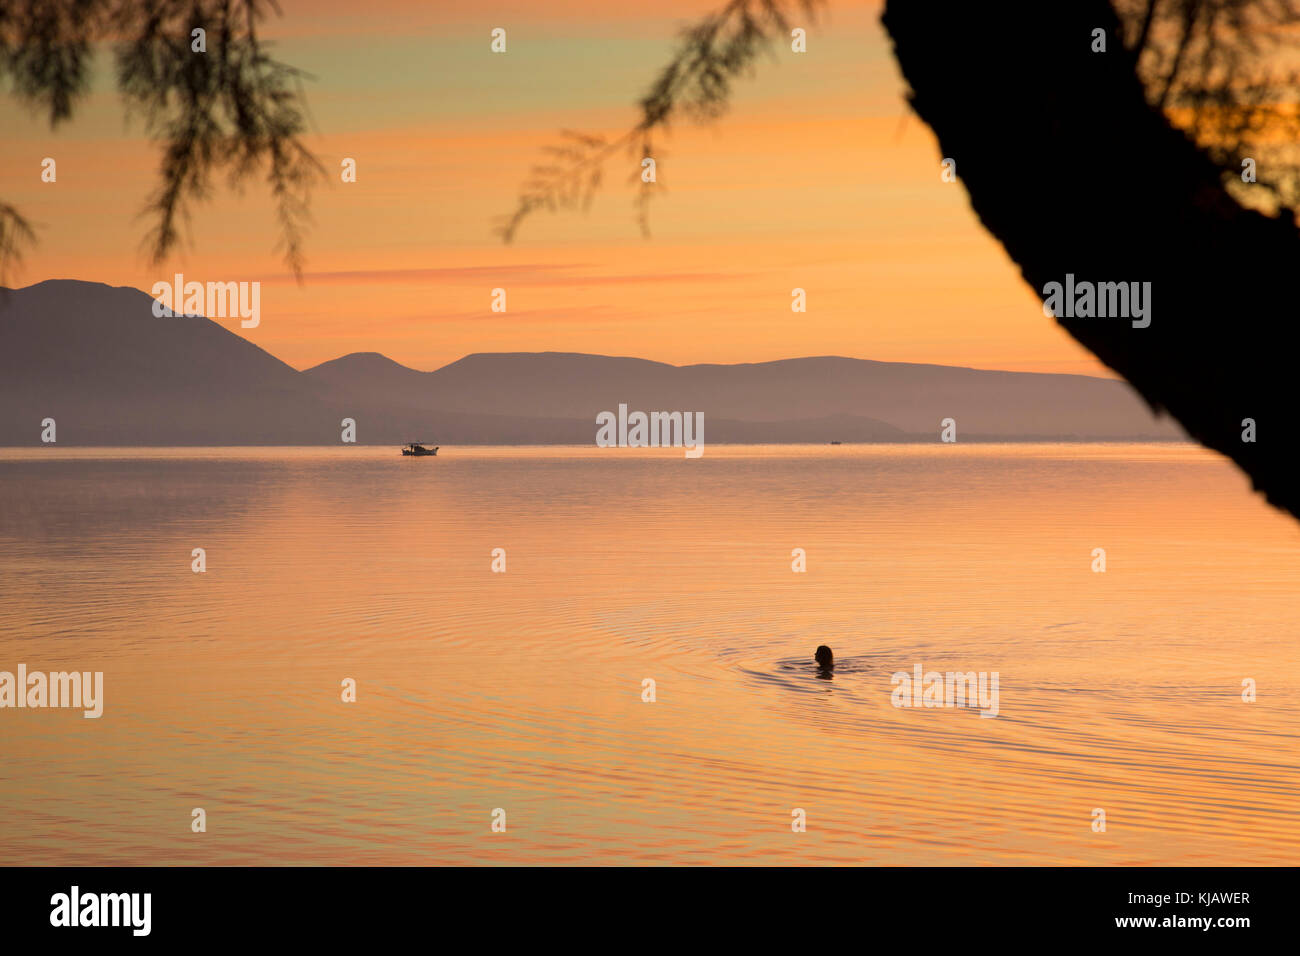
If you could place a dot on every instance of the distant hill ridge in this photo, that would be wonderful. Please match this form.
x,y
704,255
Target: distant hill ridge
x,y
96,359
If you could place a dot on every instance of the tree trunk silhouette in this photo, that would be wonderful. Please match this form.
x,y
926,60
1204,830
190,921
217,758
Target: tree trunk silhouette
x,y
1070,168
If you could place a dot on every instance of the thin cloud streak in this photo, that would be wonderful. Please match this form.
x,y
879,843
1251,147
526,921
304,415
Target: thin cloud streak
x,y
534,273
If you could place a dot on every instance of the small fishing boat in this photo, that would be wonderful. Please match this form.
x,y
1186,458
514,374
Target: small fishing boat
x,y
419,449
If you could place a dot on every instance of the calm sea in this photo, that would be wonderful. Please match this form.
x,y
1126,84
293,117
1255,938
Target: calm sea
x,y
522,691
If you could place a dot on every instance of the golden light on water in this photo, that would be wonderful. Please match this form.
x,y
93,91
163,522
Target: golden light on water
x,y
522,690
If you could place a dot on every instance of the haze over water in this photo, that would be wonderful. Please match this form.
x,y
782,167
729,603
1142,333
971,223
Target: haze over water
x,y
522,690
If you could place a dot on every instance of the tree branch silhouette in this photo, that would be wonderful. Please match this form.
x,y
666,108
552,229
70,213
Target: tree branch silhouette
x,y
1093,169
15,233
233,109
697,82
1226,72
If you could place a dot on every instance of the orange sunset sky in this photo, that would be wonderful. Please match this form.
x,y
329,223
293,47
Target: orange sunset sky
x,y
819,177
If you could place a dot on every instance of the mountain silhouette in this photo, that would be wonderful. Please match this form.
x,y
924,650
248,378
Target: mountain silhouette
x,y
96,359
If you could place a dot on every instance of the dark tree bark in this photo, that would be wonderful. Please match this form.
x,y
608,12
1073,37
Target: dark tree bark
x,y
1070,168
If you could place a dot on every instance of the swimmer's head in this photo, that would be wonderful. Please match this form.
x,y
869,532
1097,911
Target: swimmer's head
x,y
825,659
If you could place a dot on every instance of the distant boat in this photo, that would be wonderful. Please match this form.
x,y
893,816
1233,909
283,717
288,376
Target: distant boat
x,y
837,443
419,449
